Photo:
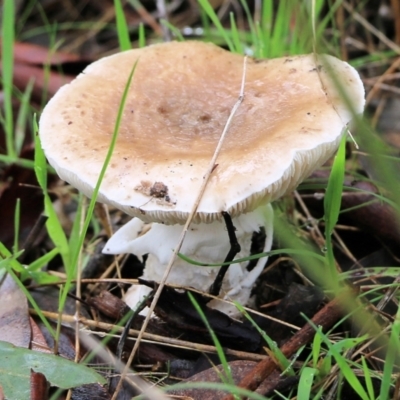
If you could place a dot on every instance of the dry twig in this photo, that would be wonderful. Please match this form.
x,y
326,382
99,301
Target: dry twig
x,y
325,318
206,178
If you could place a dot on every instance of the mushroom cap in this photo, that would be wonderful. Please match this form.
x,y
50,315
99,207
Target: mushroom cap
x,y
290,122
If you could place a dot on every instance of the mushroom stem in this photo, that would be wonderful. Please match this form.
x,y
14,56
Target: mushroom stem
x,y
208,243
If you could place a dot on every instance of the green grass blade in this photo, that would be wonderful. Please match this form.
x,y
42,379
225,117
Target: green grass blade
x,y
174,30
20,161
23,15
42,261
235,35
122,27
382,168
76,226
316,349
253,30
79,243
306,383
206,6
326,365
53,225
344,364
306,253
17,218
281,30
142,36
284,363
11,259
328,18
20,127
313,266
368,380
11,264
206,25
7,66
332,203
333,194
221,355
392,358
267,13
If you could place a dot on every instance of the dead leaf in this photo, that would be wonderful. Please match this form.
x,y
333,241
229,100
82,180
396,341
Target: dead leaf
x,y
44,81
14,317
29,53
238,369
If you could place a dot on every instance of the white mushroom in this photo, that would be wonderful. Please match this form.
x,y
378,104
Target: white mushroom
x,y
290,122
208,243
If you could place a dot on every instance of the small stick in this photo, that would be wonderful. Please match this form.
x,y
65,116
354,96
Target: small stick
x,y
120,347
92,327
325,318
235,248
206,178
163,15
33,234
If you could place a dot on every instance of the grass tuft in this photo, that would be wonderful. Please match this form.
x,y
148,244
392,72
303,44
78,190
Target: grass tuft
x,y
7,66
122,27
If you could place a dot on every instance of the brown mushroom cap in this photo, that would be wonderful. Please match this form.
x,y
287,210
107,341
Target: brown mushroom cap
x,y
289,123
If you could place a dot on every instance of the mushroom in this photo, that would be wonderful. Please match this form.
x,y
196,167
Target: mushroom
x,y
290,122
